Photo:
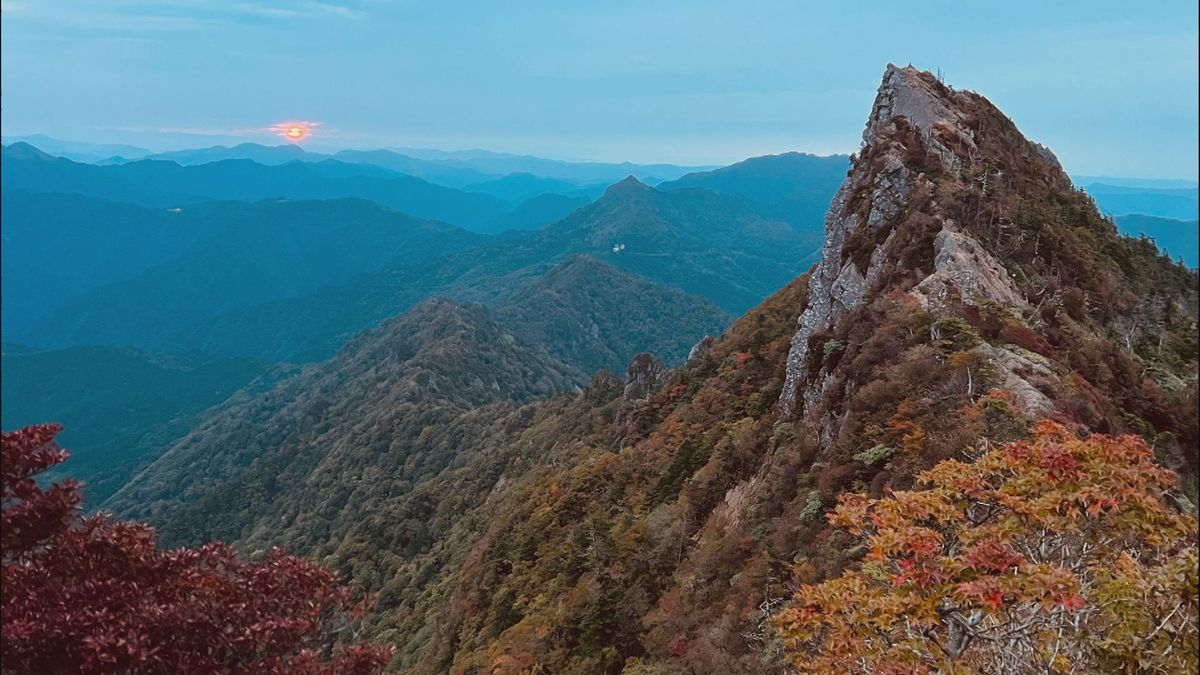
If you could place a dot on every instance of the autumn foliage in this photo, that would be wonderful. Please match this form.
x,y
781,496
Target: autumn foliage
x,y
1049,555
95,595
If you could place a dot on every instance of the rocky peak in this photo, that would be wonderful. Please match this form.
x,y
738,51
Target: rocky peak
x,y
917,97
924,141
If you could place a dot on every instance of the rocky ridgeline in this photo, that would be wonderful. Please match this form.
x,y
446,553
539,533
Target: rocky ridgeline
x,y
915,120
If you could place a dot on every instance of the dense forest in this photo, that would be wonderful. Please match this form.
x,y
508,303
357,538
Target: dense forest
x,y
973,318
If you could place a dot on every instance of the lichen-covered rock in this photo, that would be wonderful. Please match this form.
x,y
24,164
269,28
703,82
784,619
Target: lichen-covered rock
x,y
643,376
1017,374
962,265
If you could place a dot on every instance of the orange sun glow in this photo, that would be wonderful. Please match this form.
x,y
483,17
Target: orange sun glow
x,y
293,131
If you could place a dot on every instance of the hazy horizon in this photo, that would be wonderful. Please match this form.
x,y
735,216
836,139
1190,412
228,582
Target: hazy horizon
x,y
1112,90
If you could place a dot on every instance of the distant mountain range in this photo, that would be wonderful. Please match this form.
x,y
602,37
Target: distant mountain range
x,y
771,183
452,168
213,277
1164,210
708,245
81,151
236,255
1114,200
166,184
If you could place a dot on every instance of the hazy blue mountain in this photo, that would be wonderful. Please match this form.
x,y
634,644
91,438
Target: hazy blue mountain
x,y
167,184
78,150
352,162
1113,200
119,407
263,154
434,172
716,246
517,187
265,251
709,245
1178,238
1118,181
536,212
793,186
580,172
58,246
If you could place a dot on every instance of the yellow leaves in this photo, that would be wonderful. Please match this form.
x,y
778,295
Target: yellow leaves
x,y
1070,535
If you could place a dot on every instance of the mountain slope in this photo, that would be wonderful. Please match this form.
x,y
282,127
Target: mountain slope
x,y
712,246
952,305
58,246
165,184
264,252
119,407
595,316
537,212
655,528
384,394
716,246
793,186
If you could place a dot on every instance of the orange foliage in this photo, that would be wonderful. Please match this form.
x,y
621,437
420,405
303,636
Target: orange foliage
x,y
1039,556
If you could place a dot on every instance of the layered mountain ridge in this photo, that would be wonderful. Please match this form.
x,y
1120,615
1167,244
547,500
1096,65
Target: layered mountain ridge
x,y
965,288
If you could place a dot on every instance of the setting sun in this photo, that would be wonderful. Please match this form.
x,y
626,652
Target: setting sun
x,y
293,131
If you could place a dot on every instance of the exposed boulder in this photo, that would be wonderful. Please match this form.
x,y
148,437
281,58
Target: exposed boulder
x,y
644,375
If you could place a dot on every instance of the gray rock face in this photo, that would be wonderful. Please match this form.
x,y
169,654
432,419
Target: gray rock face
x,y
644,375
962,264
838,285
905,94
1018,374
701,348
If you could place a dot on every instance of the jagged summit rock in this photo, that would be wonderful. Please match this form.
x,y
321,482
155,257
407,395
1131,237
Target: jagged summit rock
x,y
901,221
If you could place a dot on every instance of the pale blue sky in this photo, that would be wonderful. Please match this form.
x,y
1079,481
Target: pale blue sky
x,y
1111,87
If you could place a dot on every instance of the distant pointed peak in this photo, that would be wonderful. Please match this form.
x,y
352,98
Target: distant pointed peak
x,y
23,150
627,185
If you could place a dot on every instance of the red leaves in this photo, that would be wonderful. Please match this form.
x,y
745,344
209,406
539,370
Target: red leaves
x,y
986,591
30,515
1059,463
96,595
992,556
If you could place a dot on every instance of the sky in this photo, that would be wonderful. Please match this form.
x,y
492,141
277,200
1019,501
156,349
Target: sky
x,y
1110,86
